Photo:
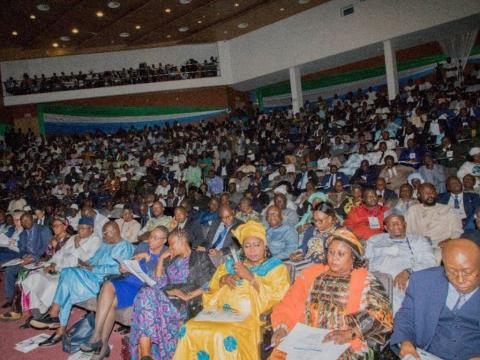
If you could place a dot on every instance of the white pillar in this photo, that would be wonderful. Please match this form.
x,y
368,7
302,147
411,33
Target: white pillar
x,y
296,89
391,69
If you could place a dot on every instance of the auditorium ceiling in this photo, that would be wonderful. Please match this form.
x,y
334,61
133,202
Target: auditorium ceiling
x,y
39,28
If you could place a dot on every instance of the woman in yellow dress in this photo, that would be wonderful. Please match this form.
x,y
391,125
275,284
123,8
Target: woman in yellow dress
x,y
246,288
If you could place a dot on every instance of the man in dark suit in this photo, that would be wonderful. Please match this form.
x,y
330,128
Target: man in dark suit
x,y
440,312
302,178
329,180
32,244
385,196
463,203
219,236
181,220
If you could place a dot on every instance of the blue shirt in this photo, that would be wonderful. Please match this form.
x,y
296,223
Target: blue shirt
x,y
282,240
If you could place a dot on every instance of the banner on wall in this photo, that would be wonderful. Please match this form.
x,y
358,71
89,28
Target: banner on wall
x,y
82,119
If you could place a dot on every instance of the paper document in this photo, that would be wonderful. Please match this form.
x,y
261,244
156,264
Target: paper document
x,y
12,262
134,268
30,344
305,342
5,241
34,265
220,316
425,355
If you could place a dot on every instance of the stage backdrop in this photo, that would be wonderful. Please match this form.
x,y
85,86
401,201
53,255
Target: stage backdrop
x,y
70,119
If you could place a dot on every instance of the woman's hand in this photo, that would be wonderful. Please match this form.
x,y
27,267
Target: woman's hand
x,y
243,272
142,256
339,337
178,293
278,335
228,280
49,268
167,254
122,269
297,255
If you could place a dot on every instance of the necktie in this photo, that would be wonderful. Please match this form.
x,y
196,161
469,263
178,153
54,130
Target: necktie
x,y
220,237
456,202
458,305
333,179
381,157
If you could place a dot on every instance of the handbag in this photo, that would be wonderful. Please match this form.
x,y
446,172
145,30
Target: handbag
x,y
79,333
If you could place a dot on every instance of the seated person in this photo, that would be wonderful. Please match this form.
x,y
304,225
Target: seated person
x,y
282,239
40,286
365,175
367,219
77,284
315,239
13,234
385,196
341,296
129,227
394,175
245,211
398,254
405,199
182,220
248,287
328,181
445,324
120,293
182,275
338,195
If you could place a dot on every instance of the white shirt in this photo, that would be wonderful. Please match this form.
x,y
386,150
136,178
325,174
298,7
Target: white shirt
x,y
461,210
68,255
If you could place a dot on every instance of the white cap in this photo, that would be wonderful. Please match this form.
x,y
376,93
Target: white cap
x,y
474,151
282,189
74,206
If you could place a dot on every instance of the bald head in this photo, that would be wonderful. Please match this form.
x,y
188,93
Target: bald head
x,y
111,232
461,260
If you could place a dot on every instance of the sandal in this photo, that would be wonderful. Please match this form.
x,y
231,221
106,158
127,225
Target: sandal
x,y
10,316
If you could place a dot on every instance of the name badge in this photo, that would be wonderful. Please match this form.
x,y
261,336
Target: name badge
x,y
412,156
373,222
449,154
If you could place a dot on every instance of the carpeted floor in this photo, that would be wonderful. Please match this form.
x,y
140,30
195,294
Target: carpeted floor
x,y
10,334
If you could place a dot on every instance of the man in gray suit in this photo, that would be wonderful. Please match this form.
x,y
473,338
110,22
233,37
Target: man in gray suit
x,y
219,236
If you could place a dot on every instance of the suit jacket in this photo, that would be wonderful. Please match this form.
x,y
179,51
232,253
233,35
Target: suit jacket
x,y
36,244
471,202
418,317
229,240
195,233
389,196
311,177
326,181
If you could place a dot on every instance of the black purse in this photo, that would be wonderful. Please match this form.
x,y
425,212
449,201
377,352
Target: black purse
x,y
79,333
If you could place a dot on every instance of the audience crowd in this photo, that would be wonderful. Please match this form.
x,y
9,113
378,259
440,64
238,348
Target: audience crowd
x,y
192,69
309,216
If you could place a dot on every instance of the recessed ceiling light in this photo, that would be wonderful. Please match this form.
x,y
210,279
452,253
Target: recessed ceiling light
x,y
169,36
303,2
75,31
138,27
282,9
43,7
199,21
113,4
55,45
33,17
183,29
14,33
185,2
242,25
99,14
124,35
237,4
65,38
168,10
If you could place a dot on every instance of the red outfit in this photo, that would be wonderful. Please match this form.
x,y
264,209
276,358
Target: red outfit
x,y
358,221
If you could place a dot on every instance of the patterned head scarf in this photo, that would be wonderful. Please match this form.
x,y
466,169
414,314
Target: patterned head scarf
x,y
249,229
350,239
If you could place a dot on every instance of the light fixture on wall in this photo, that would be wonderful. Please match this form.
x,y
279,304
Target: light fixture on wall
x,y
183,29
113,4
185,2
14,33
32,17
168,10
65,38
55,45
75,31
124,35
242,25
138,27
43,7
99,14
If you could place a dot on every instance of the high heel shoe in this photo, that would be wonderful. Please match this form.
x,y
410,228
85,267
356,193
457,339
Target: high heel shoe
x,y
102,354
92,347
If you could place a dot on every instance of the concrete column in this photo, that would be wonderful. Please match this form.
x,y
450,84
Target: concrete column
x,y
391,69
296,89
